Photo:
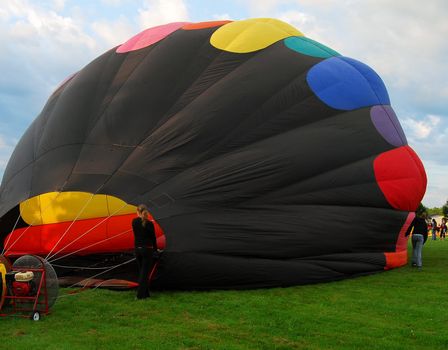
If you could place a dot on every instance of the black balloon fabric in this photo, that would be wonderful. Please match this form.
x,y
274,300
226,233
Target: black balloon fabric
x,y
266,162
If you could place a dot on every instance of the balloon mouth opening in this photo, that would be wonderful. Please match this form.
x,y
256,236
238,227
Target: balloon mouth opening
x,y
8,223
55,225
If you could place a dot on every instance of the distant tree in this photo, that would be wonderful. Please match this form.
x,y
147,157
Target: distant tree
x,y
421,210
435,211
445,209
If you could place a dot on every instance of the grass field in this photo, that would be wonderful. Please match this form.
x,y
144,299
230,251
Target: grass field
x,y
399,309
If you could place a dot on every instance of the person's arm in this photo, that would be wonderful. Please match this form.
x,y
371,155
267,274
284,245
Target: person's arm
x,y
425,233
153,236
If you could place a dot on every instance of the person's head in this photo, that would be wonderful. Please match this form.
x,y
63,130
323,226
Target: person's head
x,y
142,212
444,220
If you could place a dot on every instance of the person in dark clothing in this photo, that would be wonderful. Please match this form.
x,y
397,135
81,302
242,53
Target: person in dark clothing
x,y
419,230
145,246
434,229
443,229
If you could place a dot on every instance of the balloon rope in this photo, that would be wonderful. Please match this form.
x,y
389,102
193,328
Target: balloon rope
x,y
100,273
85,233
72,223
81,267
10,234
100,284
32,223
91,245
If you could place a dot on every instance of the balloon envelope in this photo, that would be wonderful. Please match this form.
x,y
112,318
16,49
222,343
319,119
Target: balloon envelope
x,y
267,158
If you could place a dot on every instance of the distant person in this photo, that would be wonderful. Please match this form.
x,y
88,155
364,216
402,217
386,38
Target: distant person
x,y
443,229
419,230
145,243
434,229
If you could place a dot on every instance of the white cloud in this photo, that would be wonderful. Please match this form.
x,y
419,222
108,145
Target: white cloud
x,y
112,2
221,17
421,129
431,149
59,5
112,33
306,23
39,48
156,12
296,18
260,7
437,190
34,26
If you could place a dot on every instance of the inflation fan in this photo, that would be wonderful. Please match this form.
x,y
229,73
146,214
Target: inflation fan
x,y
28,288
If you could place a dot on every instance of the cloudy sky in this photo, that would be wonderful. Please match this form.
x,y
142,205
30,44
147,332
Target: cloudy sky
x,y
405,41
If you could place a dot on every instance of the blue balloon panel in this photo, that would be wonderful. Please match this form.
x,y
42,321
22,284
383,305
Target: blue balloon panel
x,y
346,84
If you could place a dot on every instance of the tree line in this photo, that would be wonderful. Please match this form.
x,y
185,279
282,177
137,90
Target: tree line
x,y
433,211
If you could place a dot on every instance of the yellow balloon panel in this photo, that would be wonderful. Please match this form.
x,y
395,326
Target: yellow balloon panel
x,y
251,34
54,207
118,207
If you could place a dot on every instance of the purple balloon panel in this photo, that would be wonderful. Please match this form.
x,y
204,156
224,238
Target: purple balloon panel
x,y
387,124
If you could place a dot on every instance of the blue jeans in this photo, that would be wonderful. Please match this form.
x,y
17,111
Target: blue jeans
x,y
434,236
417,245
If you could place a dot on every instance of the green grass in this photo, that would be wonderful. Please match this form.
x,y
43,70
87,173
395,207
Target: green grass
x,y
399,309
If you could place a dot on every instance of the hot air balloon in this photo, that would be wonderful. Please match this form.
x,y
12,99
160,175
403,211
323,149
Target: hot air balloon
x,y
265,158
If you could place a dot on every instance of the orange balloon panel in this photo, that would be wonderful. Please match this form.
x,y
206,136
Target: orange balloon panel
x,y
400,256
91,236
202,25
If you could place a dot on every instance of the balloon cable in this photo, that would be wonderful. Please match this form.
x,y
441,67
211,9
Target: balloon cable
x,y
89,246
85,233
86,285
72,223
